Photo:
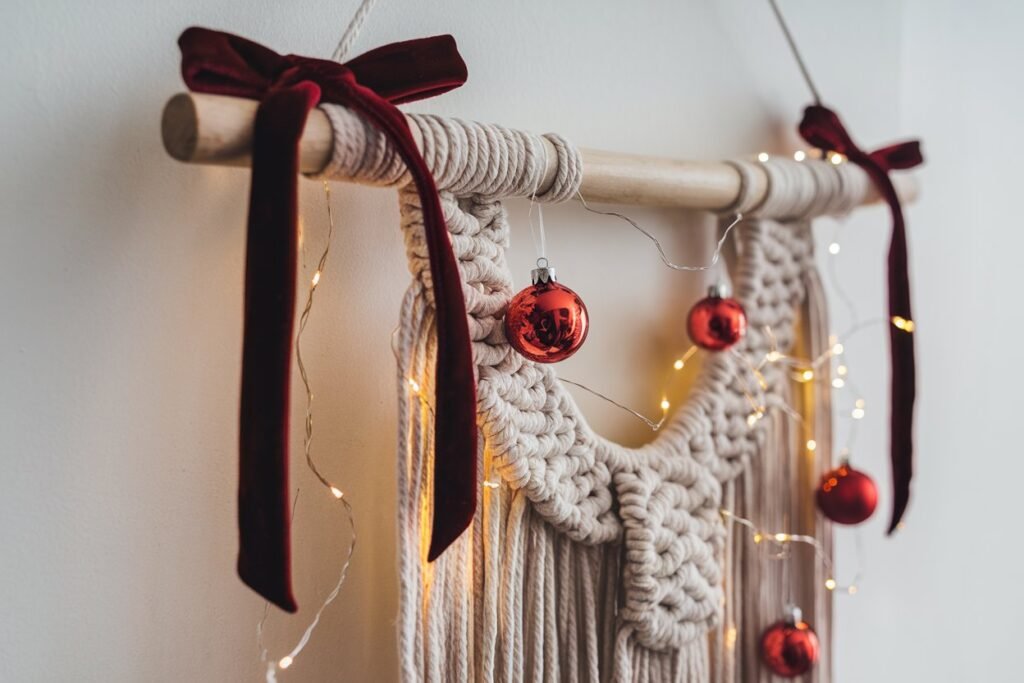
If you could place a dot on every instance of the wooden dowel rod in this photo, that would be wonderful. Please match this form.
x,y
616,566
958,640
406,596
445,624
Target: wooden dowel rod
x,y
214,129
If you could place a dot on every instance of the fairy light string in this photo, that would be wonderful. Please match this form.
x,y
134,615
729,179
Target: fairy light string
x,y
781,540
661,250
286,661
800,370
830,366
343,47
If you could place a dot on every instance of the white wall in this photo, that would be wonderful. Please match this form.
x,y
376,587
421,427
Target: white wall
x,y
121,274
945,596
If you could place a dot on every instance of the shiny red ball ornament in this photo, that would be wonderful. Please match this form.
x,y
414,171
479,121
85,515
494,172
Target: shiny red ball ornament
x,y
546,322
716,322
846,495
789,647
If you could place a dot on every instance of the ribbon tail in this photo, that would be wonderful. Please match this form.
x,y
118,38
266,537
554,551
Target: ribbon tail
x,y
455,431
822,128
264,558
903,388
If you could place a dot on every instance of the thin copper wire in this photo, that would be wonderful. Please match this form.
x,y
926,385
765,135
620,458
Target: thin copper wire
x,y
311,463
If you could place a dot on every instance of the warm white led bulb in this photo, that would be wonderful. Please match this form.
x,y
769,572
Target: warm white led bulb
x,y
678,365
730,637
901,323
337,492
834,248
285,662
316,278
763,157
799,155
665,405
811,444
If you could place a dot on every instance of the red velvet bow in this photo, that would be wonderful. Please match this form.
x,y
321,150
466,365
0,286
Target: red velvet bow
x,y
821,127
288,87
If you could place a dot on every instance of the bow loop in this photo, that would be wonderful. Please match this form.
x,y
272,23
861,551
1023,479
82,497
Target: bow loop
x,y
899,157
225,64
411,70
822,128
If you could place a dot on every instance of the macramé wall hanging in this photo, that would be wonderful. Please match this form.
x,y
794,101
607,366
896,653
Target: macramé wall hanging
x,y
530,547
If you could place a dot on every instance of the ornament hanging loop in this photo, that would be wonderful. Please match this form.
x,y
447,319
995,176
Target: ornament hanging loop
x,y
543,273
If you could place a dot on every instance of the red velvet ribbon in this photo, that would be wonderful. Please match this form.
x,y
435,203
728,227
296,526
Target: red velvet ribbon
x,y
288,87
822,128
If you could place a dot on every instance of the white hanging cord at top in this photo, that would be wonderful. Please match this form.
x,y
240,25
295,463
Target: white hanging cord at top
x,y
348,38
540,248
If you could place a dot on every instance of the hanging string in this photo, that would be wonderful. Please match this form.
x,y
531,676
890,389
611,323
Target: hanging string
x,y
539,246
796,52
348,38
661,250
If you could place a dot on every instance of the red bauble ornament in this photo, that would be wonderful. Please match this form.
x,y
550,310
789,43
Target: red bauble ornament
x,y
546,322
789,647
716,322
846,495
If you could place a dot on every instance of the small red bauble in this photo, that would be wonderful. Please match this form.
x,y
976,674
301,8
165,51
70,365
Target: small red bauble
x,y
846,495
546,322
789,647
716,322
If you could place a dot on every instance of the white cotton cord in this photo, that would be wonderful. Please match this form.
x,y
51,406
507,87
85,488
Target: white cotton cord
x,y
661,250
355,26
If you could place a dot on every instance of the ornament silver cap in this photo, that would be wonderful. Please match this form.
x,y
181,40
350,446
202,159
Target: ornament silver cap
x,y
719,290
794,615
543,273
